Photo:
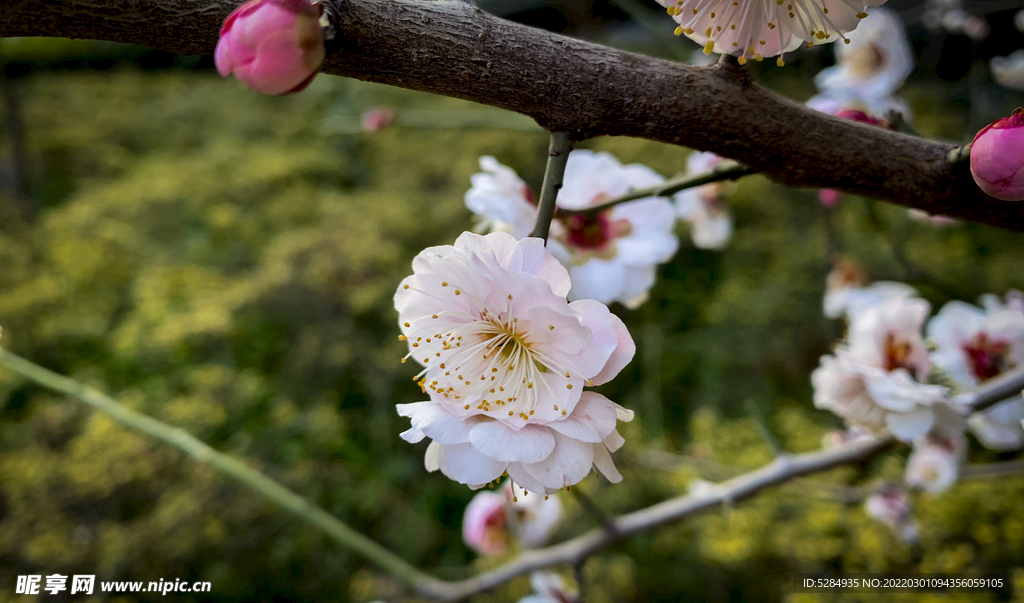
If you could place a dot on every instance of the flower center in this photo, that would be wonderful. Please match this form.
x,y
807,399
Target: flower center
x,y
898,354
591,233
865,61
987,358
488,363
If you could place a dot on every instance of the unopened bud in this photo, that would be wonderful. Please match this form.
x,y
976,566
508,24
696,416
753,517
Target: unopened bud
x,y
997,158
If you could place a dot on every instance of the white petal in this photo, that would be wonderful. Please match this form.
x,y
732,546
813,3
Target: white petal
x,y
530,444
434,420
605,465
431,460
615,441
570,462
609,334
592,420
412,435
526,481
465,464
910,426
598,279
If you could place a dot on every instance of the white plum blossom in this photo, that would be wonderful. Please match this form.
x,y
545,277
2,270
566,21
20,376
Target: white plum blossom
x,y
1014,300
501,200
847,292
1009,71
505,359
703,207
549,587
753,29
878,379
974,345
493,519
934,464
891,506
869,69
611,256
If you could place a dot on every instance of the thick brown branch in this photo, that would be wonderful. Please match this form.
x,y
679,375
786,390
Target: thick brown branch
x,y
453,48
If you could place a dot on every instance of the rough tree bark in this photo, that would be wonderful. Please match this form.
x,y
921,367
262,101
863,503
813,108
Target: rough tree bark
x,y
453,48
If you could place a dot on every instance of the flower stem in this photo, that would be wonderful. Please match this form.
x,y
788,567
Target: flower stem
x,y
225,465
558,156
727,170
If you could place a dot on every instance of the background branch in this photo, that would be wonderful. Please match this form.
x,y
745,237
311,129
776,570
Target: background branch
x,y
453,48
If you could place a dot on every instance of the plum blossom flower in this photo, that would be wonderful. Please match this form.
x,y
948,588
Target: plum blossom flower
x,y
703,207
505,359
997,158
272,46
838,438
611,256
878,379
974,345
891,506
934,464
751,29
493,519
847,291
501,200
932,219
1014,300
549,587
870,68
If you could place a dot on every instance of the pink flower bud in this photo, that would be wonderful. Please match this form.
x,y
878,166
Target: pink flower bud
x,y
829,197
272,46
376,119
997,158
485,524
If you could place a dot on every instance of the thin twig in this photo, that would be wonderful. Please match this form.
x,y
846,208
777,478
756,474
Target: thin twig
x,y
727,170
227,466
558,156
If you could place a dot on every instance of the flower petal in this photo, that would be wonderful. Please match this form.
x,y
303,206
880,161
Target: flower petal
x,y
466,465
592,420
605,465
570,462
531,444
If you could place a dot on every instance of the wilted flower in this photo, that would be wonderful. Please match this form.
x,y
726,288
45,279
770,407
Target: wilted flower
x,y
847,291
549,587
272,46
703,207
973,346
750,29
487,527
505,359
892,507
501,200
997,158
878,379
934,464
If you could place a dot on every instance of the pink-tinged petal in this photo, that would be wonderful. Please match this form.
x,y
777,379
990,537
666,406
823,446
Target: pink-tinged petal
x,y
484,524
432,458
570,462
466,465
538,262
557,333
605,465
277,67
434,420
592,420
610,334
530,444
222,58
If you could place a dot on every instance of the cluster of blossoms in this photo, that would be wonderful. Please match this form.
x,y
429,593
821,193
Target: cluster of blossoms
x,y
494,519
611,254
881,376
505,359
751,29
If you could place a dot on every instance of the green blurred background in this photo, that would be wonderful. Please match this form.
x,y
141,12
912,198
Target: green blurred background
x,y
225,262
